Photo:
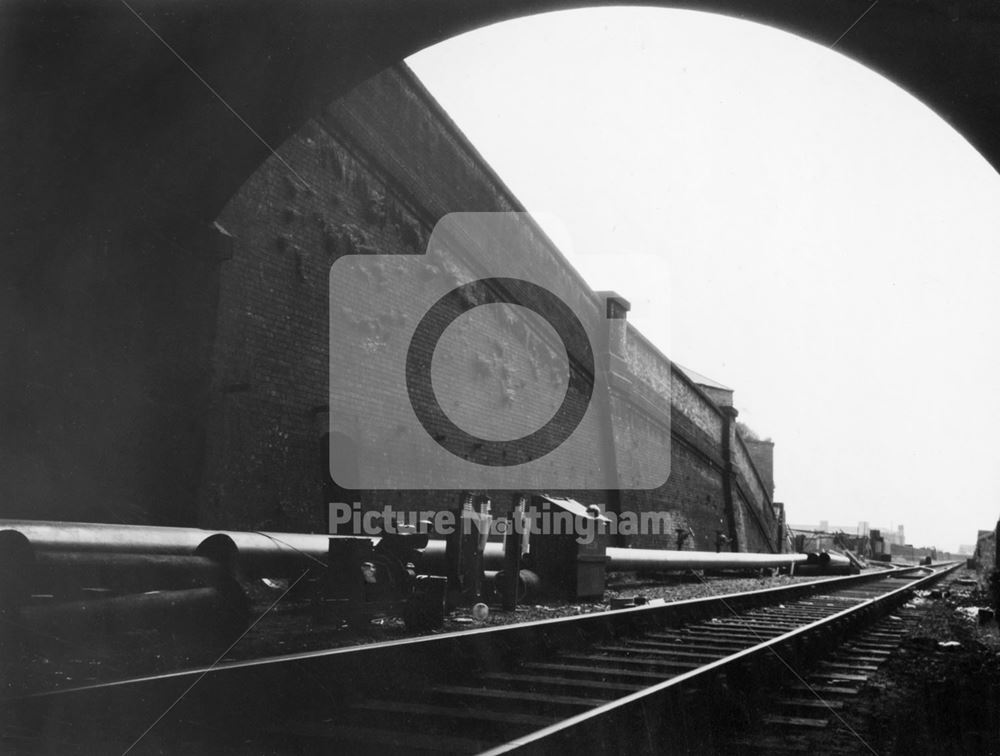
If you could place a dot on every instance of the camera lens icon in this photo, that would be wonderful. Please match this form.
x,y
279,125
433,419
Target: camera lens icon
x,y
485,362
427,406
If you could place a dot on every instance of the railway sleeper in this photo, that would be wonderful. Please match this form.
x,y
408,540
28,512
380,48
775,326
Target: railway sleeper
x,y
881,650
458,718
850,657
503,699
678,653
503,704
642,662
784,721
749,639
714,650
721,629
848,666
323,738
809,704
682,637
824,689
767,617
760,626
602,672
566,685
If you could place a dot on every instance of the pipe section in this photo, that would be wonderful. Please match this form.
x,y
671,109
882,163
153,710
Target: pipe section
x,y
651,560
263,554
259,554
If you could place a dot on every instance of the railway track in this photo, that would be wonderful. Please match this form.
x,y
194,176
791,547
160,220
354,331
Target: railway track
x,y
801,719
839,720
658,679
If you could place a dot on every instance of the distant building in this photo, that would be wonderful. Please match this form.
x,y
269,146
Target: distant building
x,y
861,529
860,538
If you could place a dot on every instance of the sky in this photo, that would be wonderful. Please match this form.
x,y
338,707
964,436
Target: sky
x,y
784,221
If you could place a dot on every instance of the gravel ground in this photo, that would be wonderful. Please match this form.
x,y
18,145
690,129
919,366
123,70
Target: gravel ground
x,y
294,630
941,699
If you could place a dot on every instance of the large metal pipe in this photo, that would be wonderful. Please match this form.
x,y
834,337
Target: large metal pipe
x,y
653,560
660,560
432,557
149,539
264,554
260,554
86,536
71,571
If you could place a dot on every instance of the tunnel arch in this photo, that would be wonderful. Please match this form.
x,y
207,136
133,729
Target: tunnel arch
x,y
124,156
129,108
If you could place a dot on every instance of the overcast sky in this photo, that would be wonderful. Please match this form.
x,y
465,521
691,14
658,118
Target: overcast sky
x,y
784,221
